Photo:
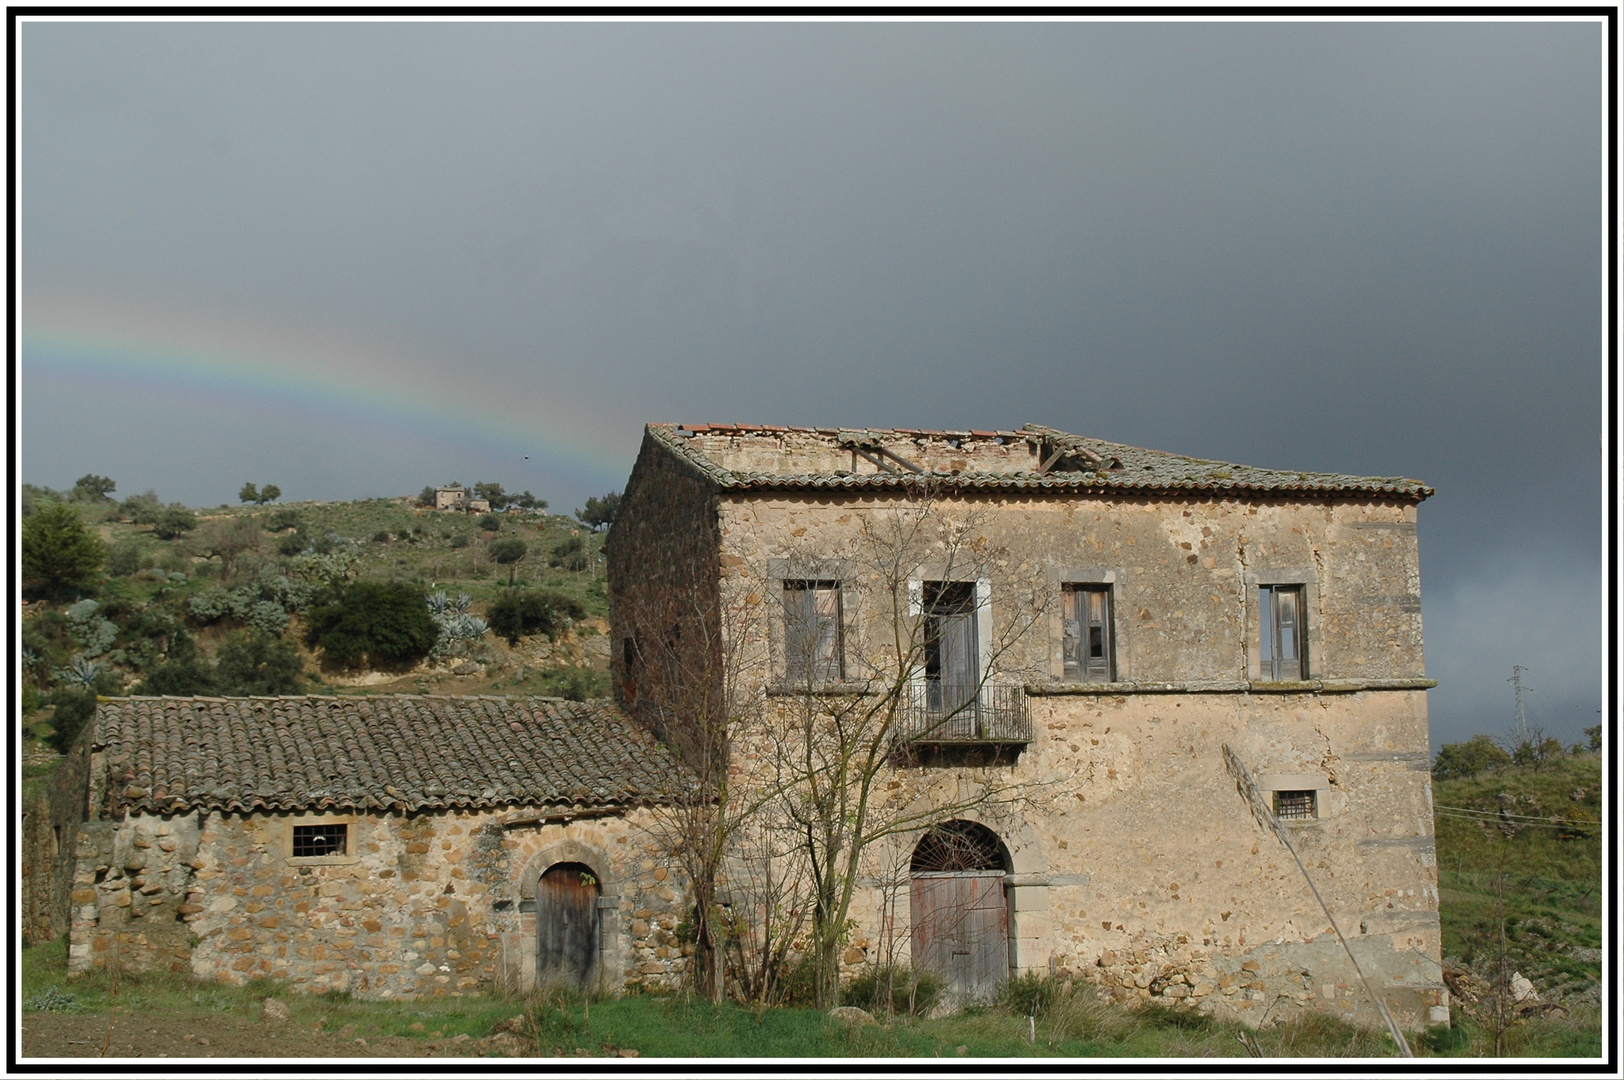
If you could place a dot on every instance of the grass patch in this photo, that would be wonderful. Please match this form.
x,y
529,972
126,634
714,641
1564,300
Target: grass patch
x,y
1072,1021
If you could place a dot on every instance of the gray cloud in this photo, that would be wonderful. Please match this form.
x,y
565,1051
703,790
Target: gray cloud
x,y
1357,247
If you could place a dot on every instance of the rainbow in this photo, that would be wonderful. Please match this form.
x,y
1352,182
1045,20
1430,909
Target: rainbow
x,y
197,364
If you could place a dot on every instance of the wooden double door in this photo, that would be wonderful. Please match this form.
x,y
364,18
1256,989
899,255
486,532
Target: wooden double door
x,y
961,930
568,933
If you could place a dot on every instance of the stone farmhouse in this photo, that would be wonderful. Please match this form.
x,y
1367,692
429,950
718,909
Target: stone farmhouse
x,y
1108,621
388,846
1086,627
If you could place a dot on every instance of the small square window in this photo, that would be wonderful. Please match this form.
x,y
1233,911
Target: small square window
x,y
1295,805
319,841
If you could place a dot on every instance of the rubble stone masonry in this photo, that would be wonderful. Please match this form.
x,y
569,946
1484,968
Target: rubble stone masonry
x,y
422,905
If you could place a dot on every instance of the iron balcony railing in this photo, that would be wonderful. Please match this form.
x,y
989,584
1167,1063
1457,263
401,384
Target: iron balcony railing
x,y
942,713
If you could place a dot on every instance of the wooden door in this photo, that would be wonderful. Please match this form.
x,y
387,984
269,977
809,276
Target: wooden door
x,y
566,925
961,930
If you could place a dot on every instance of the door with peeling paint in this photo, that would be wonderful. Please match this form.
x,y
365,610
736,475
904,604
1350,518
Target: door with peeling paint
x,y
567,928
961,931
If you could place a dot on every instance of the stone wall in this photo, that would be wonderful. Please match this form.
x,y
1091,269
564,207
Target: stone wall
x,y
1137,863
50,835
426,904
663,599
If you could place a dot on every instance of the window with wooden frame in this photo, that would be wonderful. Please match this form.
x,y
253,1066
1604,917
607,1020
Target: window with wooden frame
x,y
1282,619
813,634
1089,646
326,839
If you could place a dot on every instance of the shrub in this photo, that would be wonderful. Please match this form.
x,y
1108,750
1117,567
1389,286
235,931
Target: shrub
x,y
569,554
381,536
181,673
124,559
379,622
910,995
507,552
257,663
89,628
1459,761
1031,994
59,553
74,708
173,521
460,540
516,614
279,520
491,522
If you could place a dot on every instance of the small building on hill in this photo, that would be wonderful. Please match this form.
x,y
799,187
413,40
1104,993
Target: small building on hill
x,y
390,846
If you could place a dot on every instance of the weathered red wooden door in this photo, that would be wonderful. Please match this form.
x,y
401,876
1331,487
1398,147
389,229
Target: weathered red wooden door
x,y
961,930
567,925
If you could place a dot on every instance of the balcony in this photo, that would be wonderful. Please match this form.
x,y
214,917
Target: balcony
x,y
946,715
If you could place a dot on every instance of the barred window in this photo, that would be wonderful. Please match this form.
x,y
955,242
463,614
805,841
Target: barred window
x,y
315,841
1294,805
812,632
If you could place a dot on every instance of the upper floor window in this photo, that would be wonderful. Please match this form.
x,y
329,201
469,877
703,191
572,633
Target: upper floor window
x,y
1283,650
1089,649
813,646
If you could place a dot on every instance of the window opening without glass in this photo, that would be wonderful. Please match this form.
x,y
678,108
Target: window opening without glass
x,y
1284,648
812,632
1089,650
314,841
1294,805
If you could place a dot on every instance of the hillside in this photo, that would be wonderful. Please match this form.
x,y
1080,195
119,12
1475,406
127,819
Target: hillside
x,y
1543,858
158,594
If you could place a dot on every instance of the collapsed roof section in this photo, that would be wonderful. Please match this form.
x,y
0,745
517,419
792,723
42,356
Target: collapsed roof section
x,y
767,456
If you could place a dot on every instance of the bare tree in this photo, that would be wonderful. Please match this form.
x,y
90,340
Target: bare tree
x,y
829,754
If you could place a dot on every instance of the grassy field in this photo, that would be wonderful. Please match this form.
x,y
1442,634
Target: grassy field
x,y
1541,869
166,1014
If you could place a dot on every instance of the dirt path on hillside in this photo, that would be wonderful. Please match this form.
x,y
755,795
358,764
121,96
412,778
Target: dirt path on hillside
x,y
147,1036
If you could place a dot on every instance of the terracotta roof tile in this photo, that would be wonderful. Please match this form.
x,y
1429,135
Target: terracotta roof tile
x,y
393,752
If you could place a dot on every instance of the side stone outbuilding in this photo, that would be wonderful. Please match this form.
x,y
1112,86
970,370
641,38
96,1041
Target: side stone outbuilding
x,y
390,846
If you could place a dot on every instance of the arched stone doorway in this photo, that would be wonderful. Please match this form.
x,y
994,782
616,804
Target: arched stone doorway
x,y
568,928
958,908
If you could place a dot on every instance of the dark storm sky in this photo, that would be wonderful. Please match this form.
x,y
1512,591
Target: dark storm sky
x,y
356,259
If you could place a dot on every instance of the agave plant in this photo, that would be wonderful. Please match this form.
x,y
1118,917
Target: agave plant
x,y
80,672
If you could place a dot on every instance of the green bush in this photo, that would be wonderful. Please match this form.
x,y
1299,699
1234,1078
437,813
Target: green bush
x,y
252,662
173,521
569,555
1031,994
59,554
376,622
124,559
1459,761
74,708
285,518
491,522
516,614
909,997
460,540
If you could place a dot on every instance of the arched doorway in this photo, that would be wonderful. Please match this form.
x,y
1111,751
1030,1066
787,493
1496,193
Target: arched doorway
x,y
567,928
958,909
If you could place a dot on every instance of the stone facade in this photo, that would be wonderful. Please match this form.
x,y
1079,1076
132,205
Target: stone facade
x,y
425,905
390,847
1135,861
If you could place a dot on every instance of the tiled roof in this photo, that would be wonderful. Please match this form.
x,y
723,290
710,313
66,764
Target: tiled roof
x,y
395,752
1078,464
